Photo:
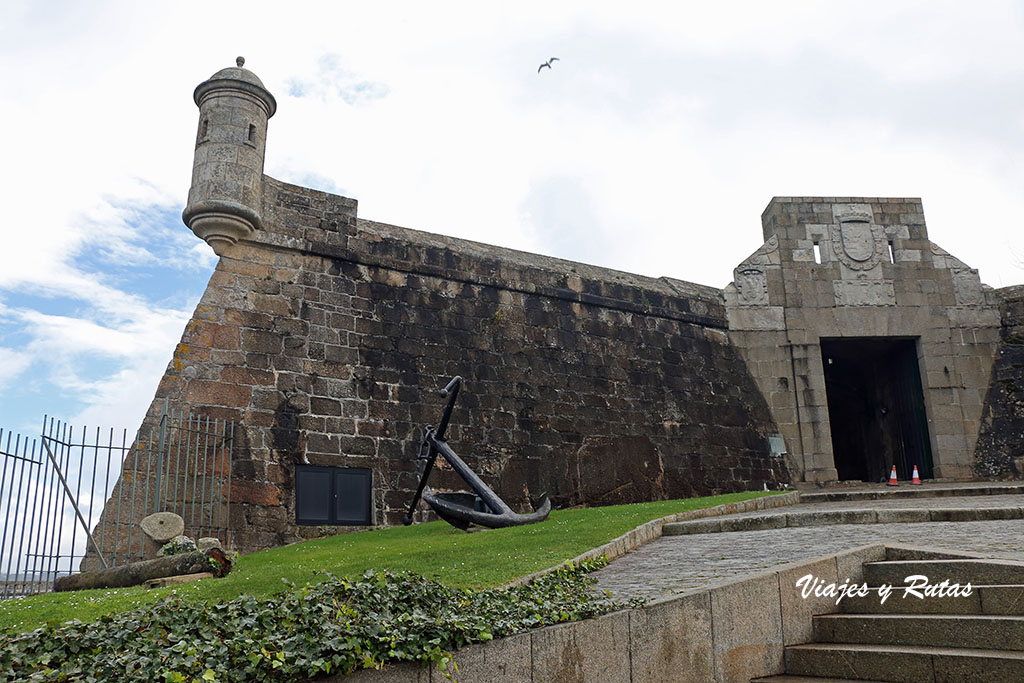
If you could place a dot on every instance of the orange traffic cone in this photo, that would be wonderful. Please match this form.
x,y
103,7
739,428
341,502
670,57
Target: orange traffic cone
x,y
916,479
892,477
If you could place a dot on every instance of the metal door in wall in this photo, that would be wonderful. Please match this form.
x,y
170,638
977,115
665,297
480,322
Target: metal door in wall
x,y
876,407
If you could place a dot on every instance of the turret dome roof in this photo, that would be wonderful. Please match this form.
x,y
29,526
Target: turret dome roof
x,y
238,73
238,78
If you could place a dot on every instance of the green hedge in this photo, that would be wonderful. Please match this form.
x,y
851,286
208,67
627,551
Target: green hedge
x,y
337,626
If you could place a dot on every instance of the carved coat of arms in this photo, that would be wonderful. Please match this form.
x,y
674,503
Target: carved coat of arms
x,y
858,240
857,244
751,286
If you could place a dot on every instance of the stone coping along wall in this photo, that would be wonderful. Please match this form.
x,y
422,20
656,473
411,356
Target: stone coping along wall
x,y
731,631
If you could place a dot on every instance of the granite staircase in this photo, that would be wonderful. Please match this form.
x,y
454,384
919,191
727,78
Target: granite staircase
x,y
974,638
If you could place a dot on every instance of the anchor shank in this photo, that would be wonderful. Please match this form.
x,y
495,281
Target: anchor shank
x,y
427,467
476,483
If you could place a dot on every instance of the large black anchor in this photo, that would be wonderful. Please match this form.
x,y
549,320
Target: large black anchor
x,y
460,509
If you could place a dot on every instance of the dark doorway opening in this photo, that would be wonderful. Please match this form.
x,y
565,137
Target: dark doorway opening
x,y
876,408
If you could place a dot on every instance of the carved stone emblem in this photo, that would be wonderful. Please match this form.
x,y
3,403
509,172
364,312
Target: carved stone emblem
x,y
858,240
751,286
860,213
857,244
967,287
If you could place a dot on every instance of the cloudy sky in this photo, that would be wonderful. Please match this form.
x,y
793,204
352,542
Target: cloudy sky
x,y
651,146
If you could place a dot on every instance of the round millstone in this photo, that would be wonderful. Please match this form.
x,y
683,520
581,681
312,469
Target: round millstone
x,y
163,526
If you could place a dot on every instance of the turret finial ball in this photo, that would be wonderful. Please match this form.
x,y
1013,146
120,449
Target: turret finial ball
x,y
240,61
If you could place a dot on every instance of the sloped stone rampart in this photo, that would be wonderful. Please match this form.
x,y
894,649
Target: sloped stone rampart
x,y
327,337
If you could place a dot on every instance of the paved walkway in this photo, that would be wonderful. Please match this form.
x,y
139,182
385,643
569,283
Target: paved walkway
x,y
673,564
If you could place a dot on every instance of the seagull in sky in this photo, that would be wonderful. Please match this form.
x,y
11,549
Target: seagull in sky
x,y
547,64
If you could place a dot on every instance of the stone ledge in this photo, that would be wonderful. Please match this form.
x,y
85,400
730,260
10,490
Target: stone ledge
x,y
836,517
916,492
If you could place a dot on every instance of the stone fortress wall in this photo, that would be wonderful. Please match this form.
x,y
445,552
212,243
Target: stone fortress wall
x,y
1000,449
326,337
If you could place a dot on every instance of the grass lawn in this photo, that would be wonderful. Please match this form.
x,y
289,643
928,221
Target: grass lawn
x,y
483,559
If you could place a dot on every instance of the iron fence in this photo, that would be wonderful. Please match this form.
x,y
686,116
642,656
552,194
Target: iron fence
x,y
72,499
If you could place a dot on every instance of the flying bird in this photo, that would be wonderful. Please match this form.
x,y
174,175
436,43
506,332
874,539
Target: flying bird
x,y
547,64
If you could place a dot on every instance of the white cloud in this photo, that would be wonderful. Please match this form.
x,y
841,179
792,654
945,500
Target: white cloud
x,y
652,146
12,364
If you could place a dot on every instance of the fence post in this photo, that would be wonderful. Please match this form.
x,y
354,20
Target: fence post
x,y
74,503
160,457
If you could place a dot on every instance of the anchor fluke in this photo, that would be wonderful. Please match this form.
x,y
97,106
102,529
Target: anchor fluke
x,y
460,509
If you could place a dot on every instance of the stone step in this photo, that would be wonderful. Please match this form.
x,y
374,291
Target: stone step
x,y
779,520
984,600
787,678
903,663
904,552
976,571
965,631
910,491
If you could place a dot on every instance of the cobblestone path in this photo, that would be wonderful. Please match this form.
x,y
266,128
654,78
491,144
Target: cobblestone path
x,y
674,564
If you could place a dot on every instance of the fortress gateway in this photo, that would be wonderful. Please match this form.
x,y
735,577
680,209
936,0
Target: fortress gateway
x,y
847,343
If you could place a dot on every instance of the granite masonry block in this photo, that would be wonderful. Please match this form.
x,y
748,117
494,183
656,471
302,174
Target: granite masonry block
x,y
593,650
747,628
672,641
505,660
797,609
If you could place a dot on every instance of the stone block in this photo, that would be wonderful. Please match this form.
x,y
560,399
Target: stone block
x,y
205,392
697,526
906,515
756,318
591,650
506,660
831,517
260,341
1007,600
849,564
754,523
392,673
254,492
747,628
243,375
671,641
954,515
797,610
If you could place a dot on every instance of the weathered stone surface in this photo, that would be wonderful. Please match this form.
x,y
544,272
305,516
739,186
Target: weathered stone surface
x,y
1000,449
506,660
797,609
394,673
207,542
672,641
749,642
592,650
162,526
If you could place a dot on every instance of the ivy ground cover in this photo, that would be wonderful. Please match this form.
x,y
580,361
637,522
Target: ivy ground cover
x,y
479,560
